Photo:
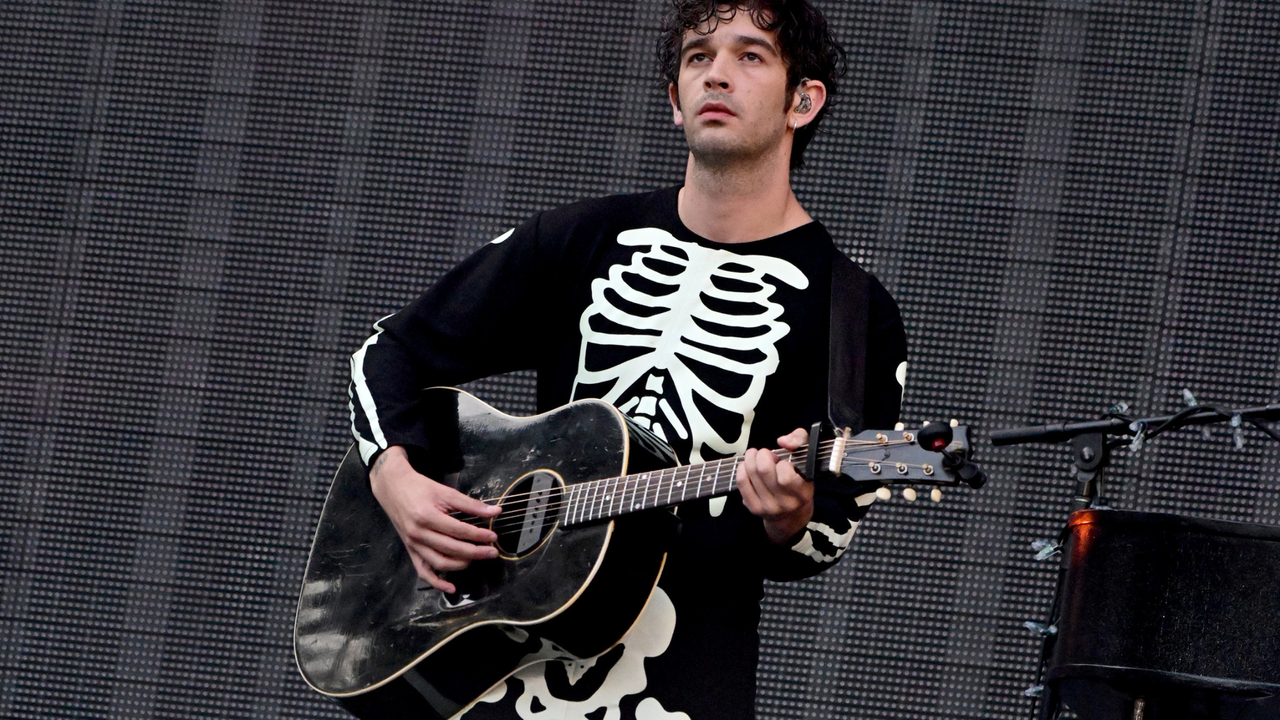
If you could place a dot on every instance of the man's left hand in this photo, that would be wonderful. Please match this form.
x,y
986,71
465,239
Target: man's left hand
x,y
774,491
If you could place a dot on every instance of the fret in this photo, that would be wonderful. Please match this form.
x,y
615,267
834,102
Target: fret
x,y
598,499
608,497
594,510
573,499
634,489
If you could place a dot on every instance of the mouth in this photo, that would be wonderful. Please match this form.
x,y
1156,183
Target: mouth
x,y
715,111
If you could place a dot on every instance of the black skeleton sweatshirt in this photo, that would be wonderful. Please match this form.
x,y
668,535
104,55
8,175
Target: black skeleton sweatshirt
x,y
716,348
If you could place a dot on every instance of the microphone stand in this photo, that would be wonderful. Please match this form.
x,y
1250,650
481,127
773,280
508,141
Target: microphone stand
x,y
1091,448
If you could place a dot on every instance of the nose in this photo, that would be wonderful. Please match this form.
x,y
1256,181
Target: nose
x,y
717,76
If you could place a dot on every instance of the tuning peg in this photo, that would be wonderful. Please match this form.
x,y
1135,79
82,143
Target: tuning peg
x,y
884,493
910,494
955,423
900,426
935,437
935,494
1034,691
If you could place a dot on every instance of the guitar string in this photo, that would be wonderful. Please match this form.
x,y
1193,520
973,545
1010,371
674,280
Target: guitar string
x,y
718,476
782,455
515,520
669,475
644,496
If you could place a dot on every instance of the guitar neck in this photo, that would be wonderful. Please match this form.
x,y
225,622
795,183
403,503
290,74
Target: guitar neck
x,y
617,496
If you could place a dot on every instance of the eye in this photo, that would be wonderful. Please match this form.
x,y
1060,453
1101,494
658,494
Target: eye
x,y
752,57
696,58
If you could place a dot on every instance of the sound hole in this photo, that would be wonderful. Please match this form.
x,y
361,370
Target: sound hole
x,y
530,510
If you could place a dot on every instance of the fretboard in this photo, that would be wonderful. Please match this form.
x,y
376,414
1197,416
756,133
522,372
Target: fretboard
x,y
611,497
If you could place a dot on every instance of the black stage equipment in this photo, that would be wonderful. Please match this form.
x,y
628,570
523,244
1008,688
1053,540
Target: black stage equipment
x,y
1157,616
1164,617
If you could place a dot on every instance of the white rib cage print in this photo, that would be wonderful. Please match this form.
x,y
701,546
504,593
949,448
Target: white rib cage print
x,y
658,309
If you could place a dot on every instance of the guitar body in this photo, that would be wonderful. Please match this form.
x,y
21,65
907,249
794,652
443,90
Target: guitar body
x,y
384,645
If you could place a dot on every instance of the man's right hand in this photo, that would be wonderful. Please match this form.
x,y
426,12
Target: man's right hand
x,y
419,509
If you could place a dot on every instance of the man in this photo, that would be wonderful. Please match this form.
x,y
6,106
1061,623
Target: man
x,y
700,311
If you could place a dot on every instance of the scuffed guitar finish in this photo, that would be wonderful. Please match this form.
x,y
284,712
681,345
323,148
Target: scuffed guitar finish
x,y
364,619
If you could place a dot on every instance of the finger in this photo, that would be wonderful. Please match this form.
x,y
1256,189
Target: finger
x,y
443,563
427,575
456,500
453,548
765,473
760,483
794,440
785,477
794,491
454,527
750,497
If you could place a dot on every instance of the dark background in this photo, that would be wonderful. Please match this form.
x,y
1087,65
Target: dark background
x,y
204,206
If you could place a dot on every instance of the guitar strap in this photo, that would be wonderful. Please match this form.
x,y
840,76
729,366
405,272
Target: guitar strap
x,y
846,369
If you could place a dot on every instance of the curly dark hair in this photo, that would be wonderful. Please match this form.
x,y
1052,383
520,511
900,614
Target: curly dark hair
x,y
807,45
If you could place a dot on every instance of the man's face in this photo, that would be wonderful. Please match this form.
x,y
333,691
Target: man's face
x,y
731,95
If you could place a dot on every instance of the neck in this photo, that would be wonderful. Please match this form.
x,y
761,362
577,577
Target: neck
x,y
741,201
617,496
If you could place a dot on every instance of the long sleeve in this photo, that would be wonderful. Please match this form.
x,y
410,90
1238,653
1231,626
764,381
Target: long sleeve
x,y
839,504
477,320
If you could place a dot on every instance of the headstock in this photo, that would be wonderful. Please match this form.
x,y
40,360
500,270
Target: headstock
x,y
934,455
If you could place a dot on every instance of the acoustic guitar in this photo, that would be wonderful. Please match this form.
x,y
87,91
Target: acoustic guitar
x,y
580,536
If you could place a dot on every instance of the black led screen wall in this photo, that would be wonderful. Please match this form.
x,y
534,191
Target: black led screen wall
x,y
205,205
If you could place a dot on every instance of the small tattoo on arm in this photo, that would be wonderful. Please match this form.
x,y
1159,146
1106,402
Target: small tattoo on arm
x,y
377,464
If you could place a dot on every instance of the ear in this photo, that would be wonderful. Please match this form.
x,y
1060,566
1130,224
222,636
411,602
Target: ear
x,y
673,95
817,100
